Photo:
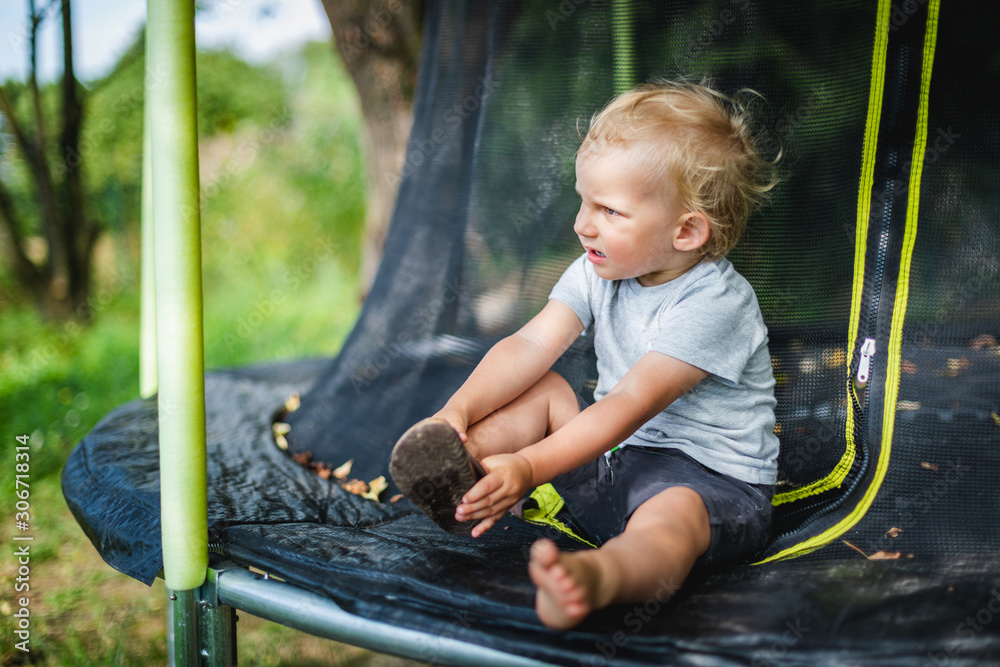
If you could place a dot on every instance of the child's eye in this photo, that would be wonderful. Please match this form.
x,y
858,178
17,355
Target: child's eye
x,y
610,211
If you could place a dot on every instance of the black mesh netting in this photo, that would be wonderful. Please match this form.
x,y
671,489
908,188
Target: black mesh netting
x,y
482,230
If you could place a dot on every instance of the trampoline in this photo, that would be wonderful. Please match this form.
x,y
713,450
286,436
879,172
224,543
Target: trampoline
x,y
879,257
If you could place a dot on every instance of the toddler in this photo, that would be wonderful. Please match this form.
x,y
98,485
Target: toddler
x,y
674,463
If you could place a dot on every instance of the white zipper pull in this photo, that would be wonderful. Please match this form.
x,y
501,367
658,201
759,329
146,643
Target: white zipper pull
x,y
865,364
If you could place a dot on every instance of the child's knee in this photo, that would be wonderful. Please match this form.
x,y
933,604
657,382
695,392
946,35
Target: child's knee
x,y
679,509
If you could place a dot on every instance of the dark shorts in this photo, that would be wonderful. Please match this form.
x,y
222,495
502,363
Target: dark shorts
x,y
602,495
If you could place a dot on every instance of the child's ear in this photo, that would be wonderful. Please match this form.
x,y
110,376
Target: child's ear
x,y
692,232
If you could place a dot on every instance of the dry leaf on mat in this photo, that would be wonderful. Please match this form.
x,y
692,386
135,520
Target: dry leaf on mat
x,y
879,555
375,488
344,470
355,486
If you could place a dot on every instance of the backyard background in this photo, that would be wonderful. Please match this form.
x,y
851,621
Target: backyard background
x,y
283,209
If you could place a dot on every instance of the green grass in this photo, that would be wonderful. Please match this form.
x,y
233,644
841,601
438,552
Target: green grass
x,y
282,207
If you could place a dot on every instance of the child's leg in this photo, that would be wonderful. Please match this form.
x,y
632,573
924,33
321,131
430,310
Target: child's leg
x,y
650,559
431,466
544,408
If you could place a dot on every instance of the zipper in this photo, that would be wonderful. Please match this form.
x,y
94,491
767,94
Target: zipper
x,y
860,377
865,364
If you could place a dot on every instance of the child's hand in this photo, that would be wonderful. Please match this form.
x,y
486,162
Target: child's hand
x,y
457,420
508,478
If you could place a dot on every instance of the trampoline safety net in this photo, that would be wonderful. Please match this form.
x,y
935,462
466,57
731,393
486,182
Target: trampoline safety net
x,y
885,227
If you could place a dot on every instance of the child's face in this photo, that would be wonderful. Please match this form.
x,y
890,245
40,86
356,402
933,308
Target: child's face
x,y
629,228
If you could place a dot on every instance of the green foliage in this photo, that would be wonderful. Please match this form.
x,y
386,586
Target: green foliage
x,y
231,95
282,211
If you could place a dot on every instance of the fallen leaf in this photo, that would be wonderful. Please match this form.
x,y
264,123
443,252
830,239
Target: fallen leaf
x,y
893,532
396,498
983,341
995,417
909,368
930,466
280,428
879,555
355,486
808,365
833,357
344,470
302,458
954,367
281,442
855,548
293,402
375,488
324,471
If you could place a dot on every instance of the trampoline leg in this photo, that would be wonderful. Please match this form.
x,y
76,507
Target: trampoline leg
x,y
218,635
182,628
200,631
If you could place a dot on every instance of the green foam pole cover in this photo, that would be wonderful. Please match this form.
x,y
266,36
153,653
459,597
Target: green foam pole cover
x,y
179,327
623,49
147,288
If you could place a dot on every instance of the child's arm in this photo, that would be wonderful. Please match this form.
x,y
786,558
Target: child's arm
x,y
512,366
649,387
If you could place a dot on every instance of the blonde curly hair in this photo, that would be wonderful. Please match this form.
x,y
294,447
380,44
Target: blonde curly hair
x,y
703,141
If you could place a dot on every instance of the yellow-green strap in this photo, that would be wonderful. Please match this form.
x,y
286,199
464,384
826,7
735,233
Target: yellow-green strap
x,y
549,503
875,92
893,353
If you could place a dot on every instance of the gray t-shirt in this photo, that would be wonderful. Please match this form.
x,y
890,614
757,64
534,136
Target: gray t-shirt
x,y
709,318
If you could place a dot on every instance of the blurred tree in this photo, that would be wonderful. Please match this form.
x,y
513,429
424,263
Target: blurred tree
x,y
379,43
58,278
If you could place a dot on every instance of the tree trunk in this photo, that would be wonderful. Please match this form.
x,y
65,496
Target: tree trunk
x,y
60,286
379,43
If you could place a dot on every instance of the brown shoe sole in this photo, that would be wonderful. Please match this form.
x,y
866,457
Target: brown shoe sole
x,y
432,468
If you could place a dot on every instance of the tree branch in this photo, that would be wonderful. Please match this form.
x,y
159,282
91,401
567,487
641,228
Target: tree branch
x,y
23,140
79,233
36,96
28,274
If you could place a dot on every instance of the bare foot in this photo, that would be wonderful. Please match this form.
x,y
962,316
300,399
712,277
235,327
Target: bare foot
x,y
568,584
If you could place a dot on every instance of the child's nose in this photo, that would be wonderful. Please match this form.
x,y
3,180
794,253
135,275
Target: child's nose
x,y
583,226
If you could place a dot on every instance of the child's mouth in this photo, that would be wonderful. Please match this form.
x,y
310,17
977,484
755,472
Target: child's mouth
x,y
595,254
